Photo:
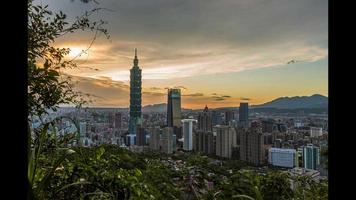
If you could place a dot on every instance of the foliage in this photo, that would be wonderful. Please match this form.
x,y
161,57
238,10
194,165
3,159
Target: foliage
x,y
46,88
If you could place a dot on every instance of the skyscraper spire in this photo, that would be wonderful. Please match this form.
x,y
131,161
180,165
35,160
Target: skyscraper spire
x,y
206,109
135,59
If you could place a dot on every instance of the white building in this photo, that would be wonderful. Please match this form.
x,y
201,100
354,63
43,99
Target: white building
x,y
316,131
188,133
283,157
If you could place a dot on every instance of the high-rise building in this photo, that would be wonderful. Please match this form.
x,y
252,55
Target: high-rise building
x,y
135,96
117,123
251,146
283,157
166,142
111,119
316,131
203,139
225,140
188,133
217,118
174,108
174,111
205,120
141,136
311,156
155,137
229,116
243,115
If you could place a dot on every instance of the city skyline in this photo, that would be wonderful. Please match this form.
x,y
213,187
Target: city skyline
x,y
217,53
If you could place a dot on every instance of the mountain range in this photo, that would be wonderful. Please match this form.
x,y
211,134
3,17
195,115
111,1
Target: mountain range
x,y
315,101
297,102
312,103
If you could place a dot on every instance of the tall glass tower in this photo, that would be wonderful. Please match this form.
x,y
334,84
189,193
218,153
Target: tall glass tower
x,y
174,112
135,96
174,108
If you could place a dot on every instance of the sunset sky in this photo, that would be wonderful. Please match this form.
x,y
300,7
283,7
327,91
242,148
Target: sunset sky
x,y
218,52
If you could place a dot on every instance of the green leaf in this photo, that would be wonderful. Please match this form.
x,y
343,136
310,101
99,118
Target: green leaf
x,y
99,152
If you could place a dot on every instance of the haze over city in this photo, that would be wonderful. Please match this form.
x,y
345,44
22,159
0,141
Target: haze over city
x,y
218,53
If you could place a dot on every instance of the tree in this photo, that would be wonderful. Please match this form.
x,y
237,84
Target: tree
x,y
46,87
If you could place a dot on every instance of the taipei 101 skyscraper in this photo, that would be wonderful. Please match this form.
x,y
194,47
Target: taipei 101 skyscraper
x,y
135,96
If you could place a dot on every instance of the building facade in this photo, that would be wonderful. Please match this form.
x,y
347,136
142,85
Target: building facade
x,y
225,140
316,131
283,157
251,146
155,137
117,123
166,142
311,156
141,136
174,111
204,139
243,115
188,134
229,116
135,96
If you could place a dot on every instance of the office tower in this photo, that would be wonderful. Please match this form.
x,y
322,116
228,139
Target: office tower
x,y
117,123
316,131
216,117
229,116
243,114
135,96
166,142
174,111
283,157
310,156
203,138
141,136
251,146
188,133
174,108
155,137
111,120
225,140
205,120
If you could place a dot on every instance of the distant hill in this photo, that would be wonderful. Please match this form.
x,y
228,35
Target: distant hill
x,y
315,101
161,107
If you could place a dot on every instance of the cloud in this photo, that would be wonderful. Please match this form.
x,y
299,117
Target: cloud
x,y
245,99
220,97
194,95
186,38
